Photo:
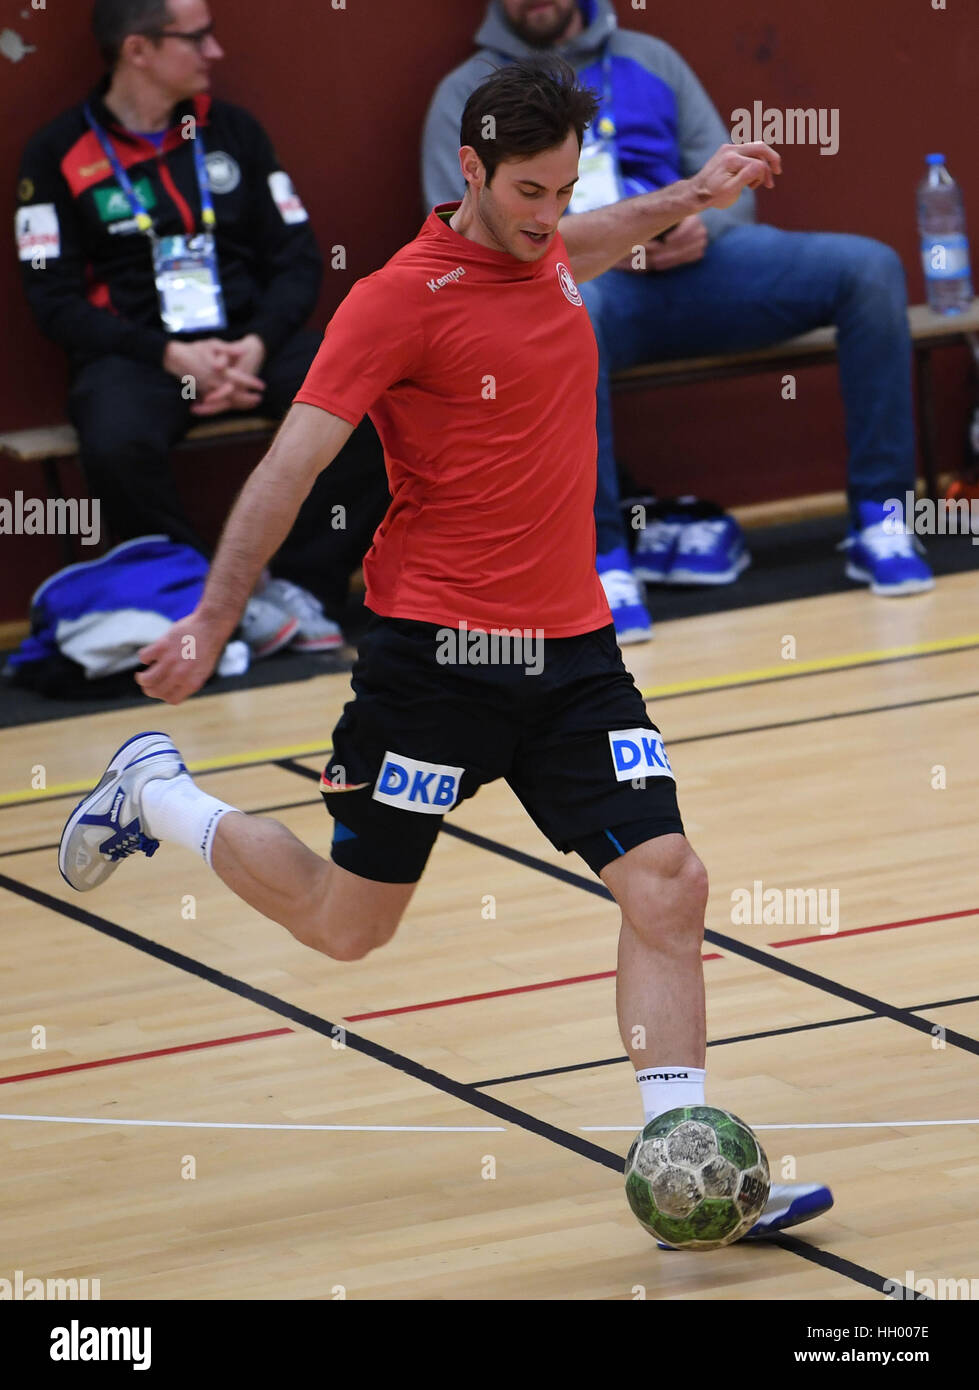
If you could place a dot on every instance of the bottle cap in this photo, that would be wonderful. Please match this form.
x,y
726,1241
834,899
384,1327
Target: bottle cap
x,y
934,159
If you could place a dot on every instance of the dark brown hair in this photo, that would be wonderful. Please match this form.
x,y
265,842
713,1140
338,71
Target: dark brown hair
x,y
533,103
114,20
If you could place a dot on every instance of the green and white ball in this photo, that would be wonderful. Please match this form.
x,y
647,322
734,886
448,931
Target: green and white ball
x,y
697,1178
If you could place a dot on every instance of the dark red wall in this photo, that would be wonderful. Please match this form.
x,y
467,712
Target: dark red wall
x,y
343,93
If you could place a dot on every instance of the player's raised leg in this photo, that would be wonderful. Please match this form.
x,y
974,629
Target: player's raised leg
x,y
324,905
146,796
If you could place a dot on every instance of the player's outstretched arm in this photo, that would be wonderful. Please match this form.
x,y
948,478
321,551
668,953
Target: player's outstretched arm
x,y
180,662
597,240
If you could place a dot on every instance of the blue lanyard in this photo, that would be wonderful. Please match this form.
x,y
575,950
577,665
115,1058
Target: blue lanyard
x,y
143,220
605,121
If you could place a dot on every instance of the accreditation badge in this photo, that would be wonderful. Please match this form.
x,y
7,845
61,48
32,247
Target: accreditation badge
x,y
187,282
598,178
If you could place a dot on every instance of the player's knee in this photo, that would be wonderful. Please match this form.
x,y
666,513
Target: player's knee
x,y
345,945
342,921
667,899
342,939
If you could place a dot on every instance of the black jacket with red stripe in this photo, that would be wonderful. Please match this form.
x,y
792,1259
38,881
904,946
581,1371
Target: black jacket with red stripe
x,y
88,270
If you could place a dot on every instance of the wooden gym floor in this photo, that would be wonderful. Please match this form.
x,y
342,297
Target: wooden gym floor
x,y
193,1127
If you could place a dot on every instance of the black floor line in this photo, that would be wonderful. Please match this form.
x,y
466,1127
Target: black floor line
x,y
738,948
830,1261
460,1090
722,1042
853,996
823,718
728,943
805,675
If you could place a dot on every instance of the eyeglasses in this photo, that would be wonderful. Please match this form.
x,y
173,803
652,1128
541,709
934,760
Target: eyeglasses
x,y
198,37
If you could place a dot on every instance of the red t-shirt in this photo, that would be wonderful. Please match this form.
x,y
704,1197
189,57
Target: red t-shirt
x,y
479,372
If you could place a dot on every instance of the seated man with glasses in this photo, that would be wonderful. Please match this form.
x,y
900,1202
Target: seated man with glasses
x,y
164,248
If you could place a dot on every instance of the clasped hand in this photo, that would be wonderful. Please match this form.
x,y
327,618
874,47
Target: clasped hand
x,y
225,375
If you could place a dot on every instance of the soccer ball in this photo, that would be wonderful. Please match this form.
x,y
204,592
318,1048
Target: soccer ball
x,y
697,1178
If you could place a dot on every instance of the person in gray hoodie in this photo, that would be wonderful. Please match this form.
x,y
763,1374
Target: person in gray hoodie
x,y
718,282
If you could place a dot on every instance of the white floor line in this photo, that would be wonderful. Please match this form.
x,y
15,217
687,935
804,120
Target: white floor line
x,y
207,1124
857,1124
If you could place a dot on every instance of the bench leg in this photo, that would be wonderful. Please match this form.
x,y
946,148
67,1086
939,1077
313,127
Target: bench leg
x,y
926,419
52,481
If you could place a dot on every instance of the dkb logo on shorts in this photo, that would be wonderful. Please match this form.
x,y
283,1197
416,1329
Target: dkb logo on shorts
x,y
416,786
639,753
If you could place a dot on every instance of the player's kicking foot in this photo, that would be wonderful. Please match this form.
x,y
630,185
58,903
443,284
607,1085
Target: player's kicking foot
x,y
107,825
788,1204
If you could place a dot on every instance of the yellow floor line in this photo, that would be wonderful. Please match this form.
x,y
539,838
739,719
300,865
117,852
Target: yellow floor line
x,y
259,755
798,668
764,673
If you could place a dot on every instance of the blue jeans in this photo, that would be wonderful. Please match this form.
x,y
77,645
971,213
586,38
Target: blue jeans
x,y
756,286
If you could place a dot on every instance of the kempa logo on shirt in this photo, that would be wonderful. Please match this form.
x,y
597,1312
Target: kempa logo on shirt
x,y
448,279
567,283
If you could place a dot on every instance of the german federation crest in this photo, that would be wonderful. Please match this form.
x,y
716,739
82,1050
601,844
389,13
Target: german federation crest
x,y
566,280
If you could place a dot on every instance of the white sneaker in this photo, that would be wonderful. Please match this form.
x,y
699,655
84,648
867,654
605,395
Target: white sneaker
x,y
314,631
265,629
106,825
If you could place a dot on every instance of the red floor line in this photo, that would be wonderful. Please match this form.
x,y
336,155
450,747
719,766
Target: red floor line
x,y
492,994
142,1056
883,926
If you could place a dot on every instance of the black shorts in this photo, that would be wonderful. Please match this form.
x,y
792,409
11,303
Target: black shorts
x,y
438,713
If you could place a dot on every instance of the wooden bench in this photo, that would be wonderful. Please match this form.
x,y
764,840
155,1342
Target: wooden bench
x,y
928,331
50,445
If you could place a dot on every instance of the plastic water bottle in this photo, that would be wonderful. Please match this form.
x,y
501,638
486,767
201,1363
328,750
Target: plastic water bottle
x,y
944,244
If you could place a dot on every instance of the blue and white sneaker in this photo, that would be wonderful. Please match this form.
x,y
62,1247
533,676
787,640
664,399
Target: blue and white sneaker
x,y
709,552
106,826
788,1204
655,551
883,555
629,614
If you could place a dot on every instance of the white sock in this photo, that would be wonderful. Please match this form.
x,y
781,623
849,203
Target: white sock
x,y
667,1087
175,808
